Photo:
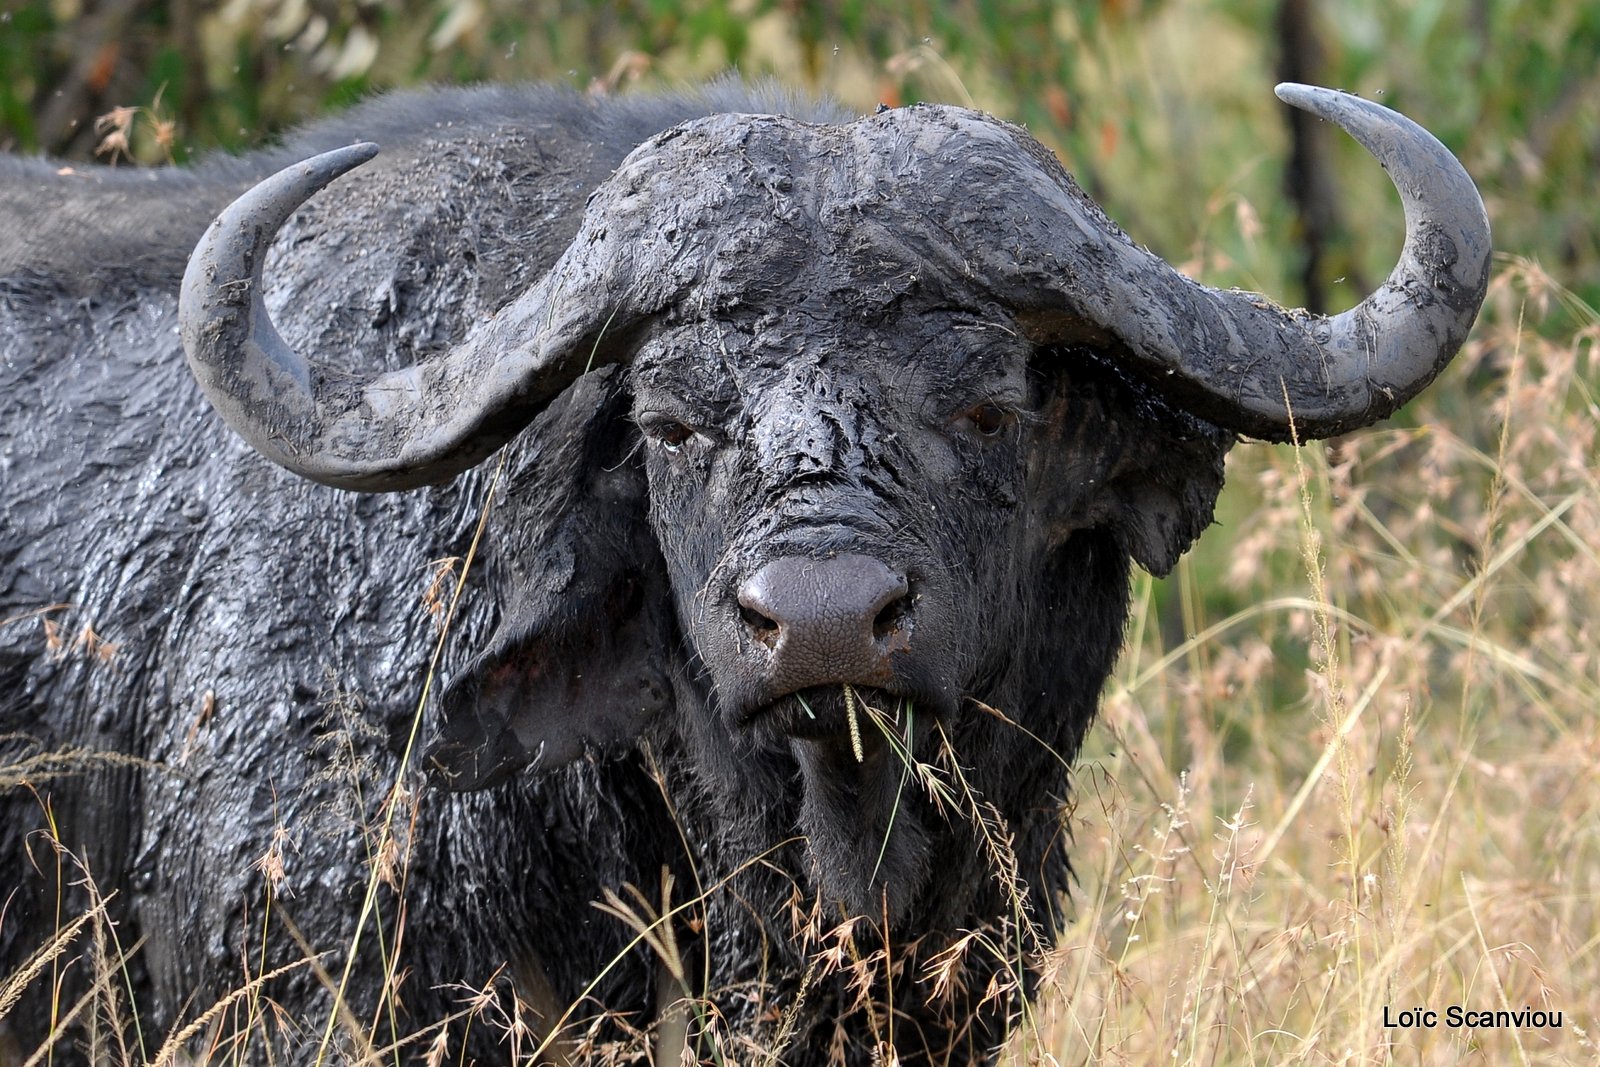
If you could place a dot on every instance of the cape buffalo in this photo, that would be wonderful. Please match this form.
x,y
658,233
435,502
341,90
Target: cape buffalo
x,y
811,458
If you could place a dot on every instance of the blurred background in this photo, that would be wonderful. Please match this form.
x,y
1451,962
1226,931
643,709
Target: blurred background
x,y
1351,758
1163,108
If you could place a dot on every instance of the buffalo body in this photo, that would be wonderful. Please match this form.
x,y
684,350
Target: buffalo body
x,y
790,613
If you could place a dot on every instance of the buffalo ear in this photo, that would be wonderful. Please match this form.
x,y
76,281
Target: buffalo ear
x,y
1112,454
577,663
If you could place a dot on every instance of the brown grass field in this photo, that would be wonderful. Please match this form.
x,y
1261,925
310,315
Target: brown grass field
x,y
1377,783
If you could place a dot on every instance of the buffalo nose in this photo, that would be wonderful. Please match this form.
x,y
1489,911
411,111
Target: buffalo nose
x,y
827,620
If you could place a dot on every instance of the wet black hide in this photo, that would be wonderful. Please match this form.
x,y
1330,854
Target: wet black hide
x,y
210,669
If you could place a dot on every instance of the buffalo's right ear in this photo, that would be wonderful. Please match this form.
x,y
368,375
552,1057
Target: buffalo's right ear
x,y
577,663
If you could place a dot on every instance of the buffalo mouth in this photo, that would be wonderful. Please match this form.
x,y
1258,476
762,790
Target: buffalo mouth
x,y
864,718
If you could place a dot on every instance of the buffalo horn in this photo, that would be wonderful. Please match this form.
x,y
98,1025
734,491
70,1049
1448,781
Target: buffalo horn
x,y
377,431
1240,361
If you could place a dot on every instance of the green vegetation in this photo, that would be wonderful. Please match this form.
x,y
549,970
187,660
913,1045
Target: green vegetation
x,y
1351,758
1162,107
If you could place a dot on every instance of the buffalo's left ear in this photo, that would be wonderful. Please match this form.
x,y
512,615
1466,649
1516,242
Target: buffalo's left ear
x,y
576,665
1109,453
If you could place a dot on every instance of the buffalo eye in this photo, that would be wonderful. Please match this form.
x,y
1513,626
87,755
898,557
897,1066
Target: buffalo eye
x,y
985,418
669,433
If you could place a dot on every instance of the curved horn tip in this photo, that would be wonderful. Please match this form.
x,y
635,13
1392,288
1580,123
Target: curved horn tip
x,y
1307,97
1361,118
328,165
339,160
275,199
311,176
1334,105
222,320
1433,294
268,204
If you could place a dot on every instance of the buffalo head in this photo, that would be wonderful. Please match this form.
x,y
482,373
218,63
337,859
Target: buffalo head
x,y
882,412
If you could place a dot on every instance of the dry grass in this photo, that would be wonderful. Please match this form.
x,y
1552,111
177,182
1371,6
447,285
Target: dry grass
x,y
1348,766
1375,785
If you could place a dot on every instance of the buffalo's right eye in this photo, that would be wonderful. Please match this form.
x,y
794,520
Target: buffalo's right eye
x,y
986,419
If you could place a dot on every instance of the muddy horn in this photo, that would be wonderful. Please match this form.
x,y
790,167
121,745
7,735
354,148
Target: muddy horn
x,y
398,429
1235,358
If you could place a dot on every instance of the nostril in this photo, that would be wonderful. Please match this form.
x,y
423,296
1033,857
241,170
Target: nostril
x,y
757,621
888,620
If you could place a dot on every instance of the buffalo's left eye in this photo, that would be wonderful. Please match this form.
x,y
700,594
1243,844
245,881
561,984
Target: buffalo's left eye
x,y
672,435
986,419
669,433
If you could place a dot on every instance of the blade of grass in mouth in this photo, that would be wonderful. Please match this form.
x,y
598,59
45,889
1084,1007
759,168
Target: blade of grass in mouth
x,y
855,725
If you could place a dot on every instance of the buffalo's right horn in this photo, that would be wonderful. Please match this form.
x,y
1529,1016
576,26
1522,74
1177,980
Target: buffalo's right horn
x,y
398,429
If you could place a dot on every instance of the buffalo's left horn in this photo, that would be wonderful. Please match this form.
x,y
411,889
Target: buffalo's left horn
x,y
1241,362
378,431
